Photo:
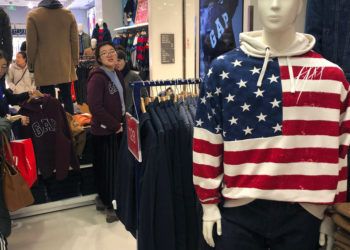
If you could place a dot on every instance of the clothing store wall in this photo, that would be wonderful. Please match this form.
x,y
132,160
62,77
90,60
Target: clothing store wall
x,y
111,12
165,17
19,16
300,23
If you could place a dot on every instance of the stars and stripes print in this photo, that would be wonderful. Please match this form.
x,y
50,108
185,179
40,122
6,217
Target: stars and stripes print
x,y
271,142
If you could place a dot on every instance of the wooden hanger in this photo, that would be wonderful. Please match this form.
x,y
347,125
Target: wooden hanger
x,y
143,107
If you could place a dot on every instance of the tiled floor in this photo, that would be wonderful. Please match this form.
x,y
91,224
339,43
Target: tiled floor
x,y
75,229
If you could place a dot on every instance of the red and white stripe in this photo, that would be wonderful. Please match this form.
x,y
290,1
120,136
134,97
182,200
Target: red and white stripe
x,y
307,163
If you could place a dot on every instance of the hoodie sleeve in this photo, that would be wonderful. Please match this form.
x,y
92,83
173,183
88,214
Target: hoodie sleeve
x,y
32,42
10,78
208,139
314,22
74,40
95,96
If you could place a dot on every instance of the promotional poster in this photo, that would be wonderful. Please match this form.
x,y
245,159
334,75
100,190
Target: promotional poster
x,y
221,22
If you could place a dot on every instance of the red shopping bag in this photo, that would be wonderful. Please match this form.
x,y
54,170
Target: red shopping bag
x,y
24,159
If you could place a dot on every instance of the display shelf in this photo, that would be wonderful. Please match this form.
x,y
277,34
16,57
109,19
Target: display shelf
x,y
131,27
54,206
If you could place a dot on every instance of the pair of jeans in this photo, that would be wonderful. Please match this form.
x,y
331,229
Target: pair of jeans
x,y
65,95
263,225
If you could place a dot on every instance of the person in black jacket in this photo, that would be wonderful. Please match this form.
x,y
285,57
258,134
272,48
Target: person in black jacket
x,y
5,35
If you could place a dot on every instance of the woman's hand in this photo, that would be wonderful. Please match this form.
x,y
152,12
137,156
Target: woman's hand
x,y
121,129
25,120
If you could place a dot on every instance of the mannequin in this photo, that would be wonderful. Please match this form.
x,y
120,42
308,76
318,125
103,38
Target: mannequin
x,y
101,32
84,39
91,51
244,153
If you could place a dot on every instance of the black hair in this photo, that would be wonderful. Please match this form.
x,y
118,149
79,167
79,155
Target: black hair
x,y
24,55
119,47
3,56
97,51
121,55
23,46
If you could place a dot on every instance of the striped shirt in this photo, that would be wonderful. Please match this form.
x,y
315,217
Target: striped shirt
x,y
286,140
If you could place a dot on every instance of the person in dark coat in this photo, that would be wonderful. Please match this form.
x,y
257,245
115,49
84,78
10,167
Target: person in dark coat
x,y
105,98
5,35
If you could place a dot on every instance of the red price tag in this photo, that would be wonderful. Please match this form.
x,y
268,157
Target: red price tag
x,y
134,143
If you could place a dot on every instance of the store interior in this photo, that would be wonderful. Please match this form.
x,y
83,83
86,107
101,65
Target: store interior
x,y
157,192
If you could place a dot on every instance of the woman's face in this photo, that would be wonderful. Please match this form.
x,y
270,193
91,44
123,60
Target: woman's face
x,y
20,61
108,56
3,67
120,64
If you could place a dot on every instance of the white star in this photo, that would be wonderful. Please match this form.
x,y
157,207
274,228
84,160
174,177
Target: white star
x,y
261,117
237,63
273,78
242,84
218,129
221,57
224,75
255,70
230,98
277,128
275,103
233,120
209,117
248,130
203,100
259,93
246,107
209,94
218,91
213,111
199,123
210,72
224,133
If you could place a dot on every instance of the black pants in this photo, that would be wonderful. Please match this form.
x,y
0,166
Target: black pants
x,y
105,166
65,95
262,225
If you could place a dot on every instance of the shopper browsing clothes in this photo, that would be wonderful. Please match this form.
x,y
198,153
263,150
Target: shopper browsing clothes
x,y
6,96
130,76
105,97
19,80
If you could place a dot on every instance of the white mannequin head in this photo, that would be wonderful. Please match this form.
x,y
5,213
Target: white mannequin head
x,y
279,15
100,23
80,28
93,43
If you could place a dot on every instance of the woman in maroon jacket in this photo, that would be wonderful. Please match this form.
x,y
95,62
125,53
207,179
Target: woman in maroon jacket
x,y
106,103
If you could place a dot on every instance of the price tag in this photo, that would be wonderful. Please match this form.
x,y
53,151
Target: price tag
x,y
134,142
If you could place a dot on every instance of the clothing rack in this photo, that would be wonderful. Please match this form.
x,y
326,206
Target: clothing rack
x,y
156,83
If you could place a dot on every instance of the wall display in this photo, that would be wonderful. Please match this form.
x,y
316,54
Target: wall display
x,y
221,21
167,48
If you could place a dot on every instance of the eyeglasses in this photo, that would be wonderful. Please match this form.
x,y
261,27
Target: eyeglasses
x,y
108,53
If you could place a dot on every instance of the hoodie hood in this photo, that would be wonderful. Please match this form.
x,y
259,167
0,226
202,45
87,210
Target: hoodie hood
x,y
252,44
50,4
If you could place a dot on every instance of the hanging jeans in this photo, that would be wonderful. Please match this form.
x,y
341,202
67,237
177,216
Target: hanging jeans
x,y
263,225
65,95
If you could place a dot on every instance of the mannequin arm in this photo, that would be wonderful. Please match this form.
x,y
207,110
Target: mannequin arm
x,y
326,233
211,216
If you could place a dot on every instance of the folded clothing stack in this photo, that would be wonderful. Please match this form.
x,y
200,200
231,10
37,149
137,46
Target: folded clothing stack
x,y
341,218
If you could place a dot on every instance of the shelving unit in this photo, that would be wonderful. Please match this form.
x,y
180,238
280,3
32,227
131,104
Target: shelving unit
x,y
132,27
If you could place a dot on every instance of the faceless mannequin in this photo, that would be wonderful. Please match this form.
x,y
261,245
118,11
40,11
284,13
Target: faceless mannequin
x,y
93,43
80,28
278,18
100,23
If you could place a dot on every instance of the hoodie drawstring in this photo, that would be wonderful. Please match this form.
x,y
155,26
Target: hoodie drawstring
x,y
263,71
291,76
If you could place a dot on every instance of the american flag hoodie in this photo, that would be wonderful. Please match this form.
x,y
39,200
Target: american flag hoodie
x,y
272,125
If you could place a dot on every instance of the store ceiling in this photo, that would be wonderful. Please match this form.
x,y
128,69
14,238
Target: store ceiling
x,y
73,4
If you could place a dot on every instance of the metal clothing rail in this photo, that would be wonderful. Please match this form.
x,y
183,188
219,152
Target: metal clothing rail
x,y
136,26
157,83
